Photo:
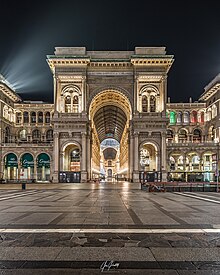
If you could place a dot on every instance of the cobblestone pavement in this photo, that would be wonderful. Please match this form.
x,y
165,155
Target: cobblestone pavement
x,y
78,228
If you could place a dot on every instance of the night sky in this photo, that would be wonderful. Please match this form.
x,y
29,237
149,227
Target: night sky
x,y
30,30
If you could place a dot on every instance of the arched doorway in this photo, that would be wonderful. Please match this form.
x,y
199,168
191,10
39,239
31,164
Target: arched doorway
x,y
27,167
110,152
148,155
110,113
11,167
43,167
71,163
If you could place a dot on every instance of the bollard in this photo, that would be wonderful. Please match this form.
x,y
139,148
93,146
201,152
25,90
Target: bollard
x,y
23,186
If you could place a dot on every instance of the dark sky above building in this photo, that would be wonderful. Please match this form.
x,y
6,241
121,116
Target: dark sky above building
x,y
30,30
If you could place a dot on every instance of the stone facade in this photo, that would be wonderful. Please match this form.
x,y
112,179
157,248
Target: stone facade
x,y
106,94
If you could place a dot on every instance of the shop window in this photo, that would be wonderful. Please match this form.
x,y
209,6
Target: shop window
x,y
75,160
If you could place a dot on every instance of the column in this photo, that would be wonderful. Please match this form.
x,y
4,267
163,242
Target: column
x,y
131,157
55,92
56,157
136,159
84,93
1,164
89,157
35,169
83,159
163,94
163,156
148,103
135,94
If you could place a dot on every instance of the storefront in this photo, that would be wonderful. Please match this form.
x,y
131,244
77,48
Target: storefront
x,y
27,167
11,167
43,167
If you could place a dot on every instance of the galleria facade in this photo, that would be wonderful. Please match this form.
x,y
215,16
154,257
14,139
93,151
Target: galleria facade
x,y
111,118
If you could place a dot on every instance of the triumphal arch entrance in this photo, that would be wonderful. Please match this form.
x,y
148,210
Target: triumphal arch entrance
x,y
109,113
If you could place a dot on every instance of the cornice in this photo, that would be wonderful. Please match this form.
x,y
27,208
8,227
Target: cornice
x,y
207,94
56,61
10,93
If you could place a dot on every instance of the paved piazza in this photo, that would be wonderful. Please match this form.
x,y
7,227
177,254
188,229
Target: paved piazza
x,y
75,228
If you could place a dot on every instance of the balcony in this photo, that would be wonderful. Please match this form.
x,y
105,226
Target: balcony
x,y
192,144
28,144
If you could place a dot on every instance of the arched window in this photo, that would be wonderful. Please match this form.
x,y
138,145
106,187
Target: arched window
x,y
194,117
36,135
25,117
67,104
214,111
179,118
197,136
75,103
75,155
144,104
170,135
18,118
202,115
33,117
211,133
172,163
195,162
7,135
23,135
5,112
40,117
152,103
49,135
186,117
209,114
172,117
47,117
182,136
10,114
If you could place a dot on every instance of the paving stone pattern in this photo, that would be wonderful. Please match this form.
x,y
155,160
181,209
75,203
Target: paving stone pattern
x,y
107,206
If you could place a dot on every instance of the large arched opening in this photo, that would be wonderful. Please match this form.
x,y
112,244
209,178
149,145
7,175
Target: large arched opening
x,y
110,113
70,163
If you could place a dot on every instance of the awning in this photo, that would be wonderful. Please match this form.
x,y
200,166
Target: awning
x,y
11,160
43,160
27,160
